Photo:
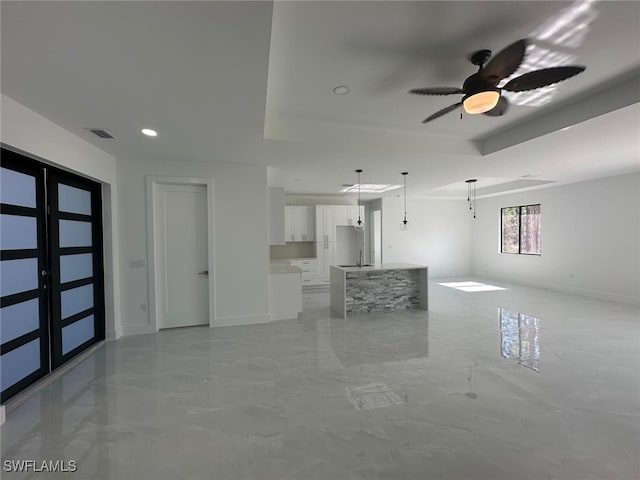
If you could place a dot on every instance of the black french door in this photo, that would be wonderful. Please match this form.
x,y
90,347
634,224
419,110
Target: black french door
x,y
51,269
24,324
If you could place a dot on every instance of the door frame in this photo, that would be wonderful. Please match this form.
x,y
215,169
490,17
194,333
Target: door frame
x,y
152,183
372,234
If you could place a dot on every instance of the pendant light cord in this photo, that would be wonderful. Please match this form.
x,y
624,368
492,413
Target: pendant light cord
x,y
474,200
359,171
471,195
404,174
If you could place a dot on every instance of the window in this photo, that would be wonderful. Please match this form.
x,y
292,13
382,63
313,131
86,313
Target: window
x,y
521,230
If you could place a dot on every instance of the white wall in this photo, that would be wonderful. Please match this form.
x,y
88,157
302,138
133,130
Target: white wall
x,y
26,131
240,239
590,239
438,236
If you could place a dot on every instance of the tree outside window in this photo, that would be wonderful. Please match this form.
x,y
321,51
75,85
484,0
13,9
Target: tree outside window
x,y
521,230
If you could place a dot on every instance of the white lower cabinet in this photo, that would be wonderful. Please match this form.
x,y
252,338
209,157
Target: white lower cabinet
x,y
309,267
285,296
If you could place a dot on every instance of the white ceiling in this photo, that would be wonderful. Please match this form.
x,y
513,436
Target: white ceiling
x,y
252,82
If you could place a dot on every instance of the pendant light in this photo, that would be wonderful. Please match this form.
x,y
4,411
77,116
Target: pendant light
x,y
359,226
405,224
471,195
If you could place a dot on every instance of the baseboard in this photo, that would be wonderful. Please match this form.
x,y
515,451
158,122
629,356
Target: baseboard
x,y
583,292
114,334
137,330
241,320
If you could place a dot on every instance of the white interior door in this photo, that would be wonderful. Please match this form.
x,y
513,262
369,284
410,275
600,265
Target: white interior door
x,y
182,260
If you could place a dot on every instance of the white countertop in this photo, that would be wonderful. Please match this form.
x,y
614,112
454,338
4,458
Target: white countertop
x,y
281,266
381,266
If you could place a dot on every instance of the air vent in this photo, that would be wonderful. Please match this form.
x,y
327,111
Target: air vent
x,y
100,132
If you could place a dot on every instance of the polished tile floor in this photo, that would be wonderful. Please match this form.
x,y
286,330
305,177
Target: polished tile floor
x,y
520,383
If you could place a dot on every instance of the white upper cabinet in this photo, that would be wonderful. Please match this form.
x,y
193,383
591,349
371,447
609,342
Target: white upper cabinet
x,y
348,214
289,223
342,214
308,222
299,223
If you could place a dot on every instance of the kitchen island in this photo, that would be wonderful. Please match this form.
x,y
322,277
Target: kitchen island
x,y
372,288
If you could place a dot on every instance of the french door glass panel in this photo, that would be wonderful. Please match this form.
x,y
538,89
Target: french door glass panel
x,y
17,188
18,232
19,319
18,276
74,200
75,234
76,267
77,333
76,300
19,363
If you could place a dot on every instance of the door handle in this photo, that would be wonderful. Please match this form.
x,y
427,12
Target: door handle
x,y
204,272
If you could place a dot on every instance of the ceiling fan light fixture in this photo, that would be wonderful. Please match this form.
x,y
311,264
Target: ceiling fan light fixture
x,y
481,102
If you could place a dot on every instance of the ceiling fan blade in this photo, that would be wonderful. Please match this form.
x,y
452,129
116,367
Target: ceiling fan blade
x,y
436,91
500,109
442,112
542,78
505,62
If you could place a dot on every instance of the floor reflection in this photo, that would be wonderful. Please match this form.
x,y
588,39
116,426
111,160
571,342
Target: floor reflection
x,y
520,338
378,337
64,422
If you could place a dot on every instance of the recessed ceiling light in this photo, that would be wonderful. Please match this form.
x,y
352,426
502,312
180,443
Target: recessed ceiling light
x,y
565,129
341,90
149,133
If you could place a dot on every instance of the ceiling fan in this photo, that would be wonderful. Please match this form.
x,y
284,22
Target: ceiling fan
x,y
481,91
